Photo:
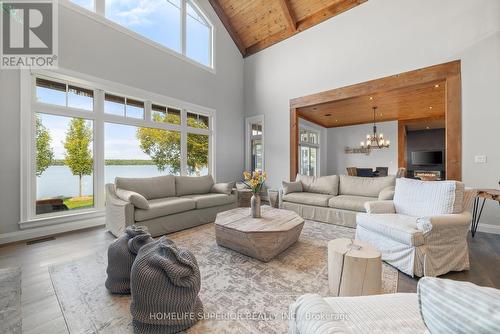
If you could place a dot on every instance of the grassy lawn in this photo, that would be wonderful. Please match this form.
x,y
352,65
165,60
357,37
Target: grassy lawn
x,y
79,202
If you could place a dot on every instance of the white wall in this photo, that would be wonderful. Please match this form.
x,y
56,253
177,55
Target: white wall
x,y
381,38
339,138
90,47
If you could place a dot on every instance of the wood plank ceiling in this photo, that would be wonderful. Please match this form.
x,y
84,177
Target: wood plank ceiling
x,y
424,101
257,24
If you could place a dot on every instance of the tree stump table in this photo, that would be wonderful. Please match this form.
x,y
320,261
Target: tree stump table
x,y
354,268
261,238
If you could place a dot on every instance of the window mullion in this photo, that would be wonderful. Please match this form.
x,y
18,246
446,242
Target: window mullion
x,y
99,162
100,7
147,111
184,169
183,27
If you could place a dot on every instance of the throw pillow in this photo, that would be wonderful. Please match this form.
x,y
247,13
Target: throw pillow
x,y
223,188
291,187
136,199
328,185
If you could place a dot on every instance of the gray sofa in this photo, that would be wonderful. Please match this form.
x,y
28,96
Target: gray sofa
x,y
166,204
334,199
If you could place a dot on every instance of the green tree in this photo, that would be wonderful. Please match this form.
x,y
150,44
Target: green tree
x,y
197,153
44,153
78,156
164,147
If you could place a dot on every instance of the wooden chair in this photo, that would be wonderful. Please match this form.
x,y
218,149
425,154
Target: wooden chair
x,y
352,171
382,171
401,172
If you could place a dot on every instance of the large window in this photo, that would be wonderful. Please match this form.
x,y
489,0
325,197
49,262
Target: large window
x,y
255,143
84,137
64,163
308,152
178,25
131,151
198,35
158,20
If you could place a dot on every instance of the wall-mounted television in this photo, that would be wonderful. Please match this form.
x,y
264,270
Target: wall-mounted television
x,y
427,158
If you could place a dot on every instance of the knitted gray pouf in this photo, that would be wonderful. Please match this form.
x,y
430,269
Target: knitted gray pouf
x,y
165,282
121,256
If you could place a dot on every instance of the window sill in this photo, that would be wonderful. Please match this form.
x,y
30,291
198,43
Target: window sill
x,y
53,220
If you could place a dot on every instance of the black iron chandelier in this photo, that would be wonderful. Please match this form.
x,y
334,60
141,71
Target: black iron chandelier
x,y
375,140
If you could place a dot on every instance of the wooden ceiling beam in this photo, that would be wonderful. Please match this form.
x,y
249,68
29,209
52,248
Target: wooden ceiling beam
x,y
411,78
304,24
326,13
227,24
289,15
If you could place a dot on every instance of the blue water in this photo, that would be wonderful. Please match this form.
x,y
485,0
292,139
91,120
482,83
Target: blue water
x,y
58,181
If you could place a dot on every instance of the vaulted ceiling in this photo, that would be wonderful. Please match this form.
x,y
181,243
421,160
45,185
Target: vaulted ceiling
x,y
257,24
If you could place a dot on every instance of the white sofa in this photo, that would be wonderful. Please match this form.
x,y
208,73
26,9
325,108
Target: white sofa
x,y
439,306
334,199
166,204
423,231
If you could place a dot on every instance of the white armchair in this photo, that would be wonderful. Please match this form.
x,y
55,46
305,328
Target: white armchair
x,y
423,231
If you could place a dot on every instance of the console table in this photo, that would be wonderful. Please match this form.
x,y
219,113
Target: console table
x,y
484,194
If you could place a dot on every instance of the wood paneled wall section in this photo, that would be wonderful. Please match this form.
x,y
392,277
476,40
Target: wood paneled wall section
x,y
448,72
454,127
294,143
402,161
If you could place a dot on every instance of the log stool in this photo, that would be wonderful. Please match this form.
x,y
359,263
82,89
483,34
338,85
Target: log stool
x,y
354,268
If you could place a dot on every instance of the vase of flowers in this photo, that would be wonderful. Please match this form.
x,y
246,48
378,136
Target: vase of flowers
x,y
254,181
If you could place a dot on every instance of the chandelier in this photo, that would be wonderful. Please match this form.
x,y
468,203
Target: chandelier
x,y
375,140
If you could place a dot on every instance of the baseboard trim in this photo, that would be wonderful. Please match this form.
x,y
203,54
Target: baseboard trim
x,y
39,232
488,228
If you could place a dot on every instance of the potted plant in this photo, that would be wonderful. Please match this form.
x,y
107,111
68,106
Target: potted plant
x,y
254,181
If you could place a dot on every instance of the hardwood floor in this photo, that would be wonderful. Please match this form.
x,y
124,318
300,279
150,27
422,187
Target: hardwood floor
x,y
40,309
42,314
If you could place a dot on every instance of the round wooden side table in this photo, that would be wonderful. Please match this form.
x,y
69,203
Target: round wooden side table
x,y
354,268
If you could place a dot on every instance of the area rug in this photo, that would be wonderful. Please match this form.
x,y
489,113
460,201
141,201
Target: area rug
x,y
10,300
240,294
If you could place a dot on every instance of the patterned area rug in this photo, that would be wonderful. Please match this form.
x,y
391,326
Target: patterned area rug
x,y
240,294
10,300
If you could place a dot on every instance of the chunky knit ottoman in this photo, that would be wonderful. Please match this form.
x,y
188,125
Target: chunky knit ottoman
x,y
165,282
121,256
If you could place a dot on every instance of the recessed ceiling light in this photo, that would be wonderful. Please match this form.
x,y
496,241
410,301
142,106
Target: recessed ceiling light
x,y
328,115
430,107
427,127
336,120
371,98
436,86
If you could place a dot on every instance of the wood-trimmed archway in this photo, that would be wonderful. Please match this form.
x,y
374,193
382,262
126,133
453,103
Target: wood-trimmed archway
x,y
448,74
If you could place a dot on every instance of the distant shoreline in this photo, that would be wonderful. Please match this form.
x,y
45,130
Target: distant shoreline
x,y
115,162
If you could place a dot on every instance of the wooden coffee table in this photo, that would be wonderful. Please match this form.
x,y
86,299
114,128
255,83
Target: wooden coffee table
x,y
260,238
